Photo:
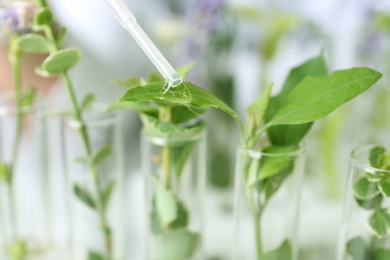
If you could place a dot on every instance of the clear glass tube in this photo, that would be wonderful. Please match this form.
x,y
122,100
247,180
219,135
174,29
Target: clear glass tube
x,y
267,196
25,221
174,171
83,223
365,229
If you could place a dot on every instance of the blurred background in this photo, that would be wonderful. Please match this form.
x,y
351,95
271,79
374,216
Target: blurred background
x,y
240,47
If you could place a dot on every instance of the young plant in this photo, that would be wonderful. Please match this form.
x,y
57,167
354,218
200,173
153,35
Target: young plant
x,y
278,124
16,30
49,37
370,193
174,114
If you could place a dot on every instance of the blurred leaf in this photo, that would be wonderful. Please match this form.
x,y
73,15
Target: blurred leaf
x,y
84,196
32,43
166,206
60,61
101,154
365,190
107,193
87,101
379,223
128,83
282,253
178,244
184,70
382,254
370,204
357,249
95,256
384,186
43,17
5,173
61,36
182,217
375,156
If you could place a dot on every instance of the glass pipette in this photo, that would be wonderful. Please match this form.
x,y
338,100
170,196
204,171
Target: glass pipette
x,y
129,22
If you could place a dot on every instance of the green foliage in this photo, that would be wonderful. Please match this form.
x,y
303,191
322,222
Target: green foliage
x,y
101,154
32,43
178,244
365,190
369,192
281,253
358,250
43,18
379,223
84,195
293,134
95,256
282,121
87,102
107,191
315,97
59,62
5,173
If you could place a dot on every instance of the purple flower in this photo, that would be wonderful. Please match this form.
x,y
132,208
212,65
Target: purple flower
x,y
17,17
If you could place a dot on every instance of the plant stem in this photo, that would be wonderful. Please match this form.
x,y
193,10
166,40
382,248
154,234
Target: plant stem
x,y
256,217
82,130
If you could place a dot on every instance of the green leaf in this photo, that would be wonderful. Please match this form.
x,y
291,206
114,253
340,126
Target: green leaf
x,y
61,61
182,217
370,204
375,156
271,185
28,97
155,91
32,43
277,161
365,190
142,107
204,99
382,254
315,97
282,253
384,186
293,134
357,249
84,196
186,93
101,154
95,256
178,244
87,101
61,36
128,82
5,173
256,111
185,69
379,223
181,114
44,17
180,155
166,206
106,195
